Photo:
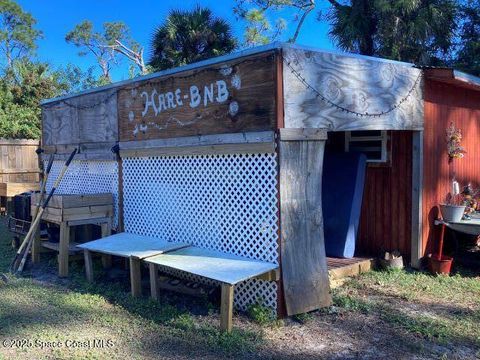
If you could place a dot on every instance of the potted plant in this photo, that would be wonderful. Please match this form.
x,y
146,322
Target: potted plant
x,y
453,209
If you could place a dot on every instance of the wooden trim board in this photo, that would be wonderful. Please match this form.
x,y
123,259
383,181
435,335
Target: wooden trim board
x,y
254,142
417,189
302,134
304,265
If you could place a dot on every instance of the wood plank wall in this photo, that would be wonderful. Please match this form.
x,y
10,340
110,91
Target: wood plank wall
x,y
18,161
445,103
385,221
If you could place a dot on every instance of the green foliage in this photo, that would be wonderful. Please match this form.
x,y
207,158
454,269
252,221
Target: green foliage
x,y
72,78
303,318
18,35
265,19
260,313
190,36
418,31
100,44
468,55
23,87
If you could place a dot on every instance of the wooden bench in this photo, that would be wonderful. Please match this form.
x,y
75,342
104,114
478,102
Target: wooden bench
x,y
131,246
228,269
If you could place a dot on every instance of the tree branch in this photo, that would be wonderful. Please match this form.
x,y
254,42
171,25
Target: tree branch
x,y
310,7
335,3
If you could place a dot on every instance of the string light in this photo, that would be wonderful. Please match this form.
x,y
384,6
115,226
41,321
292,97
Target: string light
x,y
320,96
155,81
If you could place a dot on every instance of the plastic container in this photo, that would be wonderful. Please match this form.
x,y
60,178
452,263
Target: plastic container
x,y
452,213
439,266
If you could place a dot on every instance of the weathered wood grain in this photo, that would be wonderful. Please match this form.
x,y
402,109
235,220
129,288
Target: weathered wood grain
x,y
65,201
417,184
77,121
135,276
238,143
12,189
88,265
243,99
18,161
304,264
226,307
358,84
302,134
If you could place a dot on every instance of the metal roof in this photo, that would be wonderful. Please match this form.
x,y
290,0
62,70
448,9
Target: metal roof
x,y
216,60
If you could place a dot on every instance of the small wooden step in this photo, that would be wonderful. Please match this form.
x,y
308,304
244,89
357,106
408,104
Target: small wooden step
x,y
339,270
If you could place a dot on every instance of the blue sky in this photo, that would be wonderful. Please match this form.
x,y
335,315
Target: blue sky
x,y
56,17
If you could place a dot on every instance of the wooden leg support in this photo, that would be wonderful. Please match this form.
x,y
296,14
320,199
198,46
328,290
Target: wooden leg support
x,y
106,230
36,246
226,308
106,261
63,250
88,265
135,277
154,285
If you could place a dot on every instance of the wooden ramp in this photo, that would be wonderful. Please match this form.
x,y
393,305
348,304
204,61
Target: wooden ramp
x,y
339,270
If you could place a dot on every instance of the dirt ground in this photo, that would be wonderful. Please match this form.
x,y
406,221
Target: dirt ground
x,y
379,315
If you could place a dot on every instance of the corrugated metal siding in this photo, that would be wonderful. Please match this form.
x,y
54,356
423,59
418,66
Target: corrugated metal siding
x,y
385,222
445,103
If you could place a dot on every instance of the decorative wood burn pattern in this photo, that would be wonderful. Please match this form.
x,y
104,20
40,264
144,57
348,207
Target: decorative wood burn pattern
x,y
357,84
236,96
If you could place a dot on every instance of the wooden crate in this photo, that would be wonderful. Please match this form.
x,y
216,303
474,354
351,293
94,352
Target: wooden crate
x,y
69,207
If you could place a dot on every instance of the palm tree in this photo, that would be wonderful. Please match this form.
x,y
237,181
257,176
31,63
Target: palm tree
x,y
420,31
190,36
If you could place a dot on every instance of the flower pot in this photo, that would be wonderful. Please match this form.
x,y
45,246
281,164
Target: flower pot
x,y
453,213
439,266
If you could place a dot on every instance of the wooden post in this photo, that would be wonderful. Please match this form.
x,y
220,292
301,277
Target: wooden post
x,y
417,190
63,249
106,230
154,284
36,246
226,308
88,265
304,263
135,276
106,261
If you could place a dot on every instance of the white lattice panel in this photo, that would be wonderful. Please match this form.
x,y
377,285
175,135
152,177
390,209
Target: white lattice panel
x,y
87,177
221,202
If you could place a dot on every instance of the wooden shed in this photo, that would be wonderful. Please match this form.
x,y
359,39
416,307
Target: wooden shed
x,y
19,167
227,154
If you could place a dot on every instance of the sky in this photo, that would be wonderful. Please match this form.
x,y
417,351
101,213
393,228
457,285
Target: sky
x,y
57,17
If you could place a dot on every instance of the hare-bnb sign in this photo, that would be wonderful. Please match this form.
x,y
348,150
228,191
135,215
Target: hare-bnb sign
x,y
229,97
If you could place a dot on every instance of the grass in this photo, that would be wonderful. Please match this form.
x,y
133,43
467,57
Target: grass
x,y
442,309
414,309
80,312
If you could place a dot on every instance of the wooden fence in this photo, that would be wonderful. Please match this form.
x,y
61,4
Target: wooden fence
x,y
19,167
